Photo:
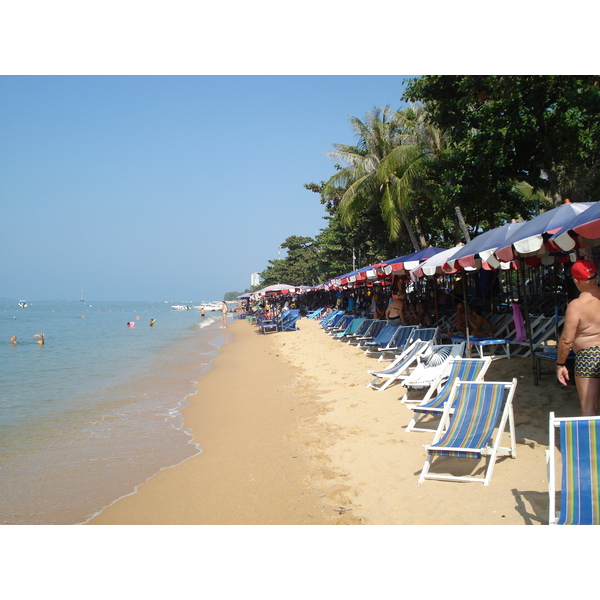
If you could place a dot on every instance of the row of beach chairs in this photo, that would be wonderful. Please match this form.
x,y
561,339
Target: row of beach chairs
x,y
469,416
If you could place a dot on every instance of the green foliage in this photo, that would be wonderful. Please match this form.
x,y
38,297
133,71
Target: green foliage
x,y
496,147
543,130
230,296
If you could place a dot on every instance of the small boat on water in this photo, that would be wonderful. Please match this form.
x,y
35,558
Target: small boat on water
x,y
209,306
23,304
181,307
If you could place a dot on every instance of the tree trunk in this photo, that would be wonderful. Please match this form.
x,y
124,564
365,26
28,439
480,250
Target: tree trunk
x,y
409,230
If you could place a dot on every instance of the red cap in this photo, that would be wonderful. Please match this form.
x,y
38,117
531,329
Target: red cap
x,y
582,270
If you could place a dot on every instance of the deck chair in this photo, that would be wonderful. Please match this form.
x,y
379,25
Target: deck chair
x,y
271,325
542,328
429,369
287,320
340,325
333,320
425,334
360,331
384,338
328,318
350,329
480,408
289,323
580,489
463,369
372,332
315,313
399,368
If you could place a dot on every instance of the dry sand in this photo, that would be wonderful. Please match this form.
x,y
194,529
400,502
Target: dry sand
x,y
291,435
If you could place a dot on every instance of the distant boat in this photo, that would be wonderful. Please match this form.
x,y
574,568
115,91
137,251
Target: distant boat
x,y
82,300
23,304
209,306
181,307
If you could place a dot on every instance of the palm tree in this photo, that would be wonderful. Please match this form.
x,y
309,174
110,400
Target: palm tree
x,y
390,157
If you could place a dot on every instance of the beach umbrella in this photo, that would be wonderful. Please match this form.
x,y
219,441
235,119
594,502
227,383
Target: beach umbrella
x,y
482,247
529,239
403,264
583,229
437,264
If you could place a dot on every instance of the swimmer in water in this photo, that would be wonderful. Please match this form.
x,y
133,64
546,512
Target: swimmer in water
x,y
13,339
41,340
152,321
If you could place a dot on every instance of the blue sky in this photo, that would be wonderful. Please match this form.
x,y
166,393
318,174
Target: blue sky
x,y
164,187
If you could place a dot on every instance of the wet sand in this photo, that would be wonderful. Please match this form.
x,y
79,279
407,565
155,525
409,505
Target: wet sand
x,y
290,435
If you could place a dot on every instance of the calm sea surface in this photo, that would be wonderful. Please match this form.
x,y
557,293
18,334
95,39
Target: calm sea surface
x,y
96,410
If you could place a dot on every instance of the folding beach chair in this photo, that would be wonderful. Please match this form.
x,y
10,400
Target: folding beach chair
x,y
289,323
332,320
273,324
457,369
396,344
480,408
340,325
580,489
430,367
399,368
383,339
350,329
542,328
361,331
372,332
417,333
315,313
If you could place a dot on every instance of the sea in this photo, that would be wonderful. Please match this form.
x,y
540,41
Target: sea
x,y
96,410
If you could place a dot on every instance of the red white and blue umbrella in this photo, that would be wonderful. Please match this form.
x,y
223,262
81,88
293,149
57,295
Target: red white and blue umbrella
x,y
436,264
479,252
529,240
402,264
583,229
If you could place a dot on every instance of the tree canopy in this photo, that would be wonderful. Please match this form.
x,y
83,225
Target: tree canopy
x,y
490,147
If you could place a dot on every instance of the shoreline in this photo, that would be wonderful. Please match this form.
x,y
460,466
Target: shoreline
x,y
251,468
291,435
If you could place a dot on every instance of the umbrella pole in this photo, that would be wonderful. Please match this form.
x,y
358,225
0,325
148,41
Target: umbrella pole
x,y
464,279
435,300
527,321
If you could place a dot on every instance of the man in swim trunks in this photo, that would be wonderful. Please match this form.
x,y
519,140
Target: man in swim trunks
x,y
581,332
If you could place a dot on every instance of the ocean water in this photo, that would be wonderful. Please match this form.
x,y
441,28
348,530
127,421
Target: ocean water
x,y
97,409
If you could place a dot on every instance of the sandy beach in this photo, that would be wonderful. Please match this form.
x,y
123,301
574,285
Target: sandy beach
x,y
290,434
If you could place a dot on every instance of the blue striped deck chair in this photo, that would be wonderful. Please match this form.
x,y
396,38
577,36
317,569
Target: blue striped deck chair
x,y
397,343
399,368
580,488
432,405
360,332
351,329
383,339
332,320
286,320
289,323
315,313
427,372
272,324
417,333
374,330
480,408
341,324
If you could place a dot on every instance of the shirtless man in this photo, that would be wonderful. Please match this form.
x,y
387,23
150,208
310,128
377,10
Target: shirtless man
x,y
41,340
581,332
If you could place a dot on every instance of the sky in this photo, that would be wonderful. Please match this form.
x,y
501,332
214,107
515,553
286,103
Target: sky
x,y
165,187
154,153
